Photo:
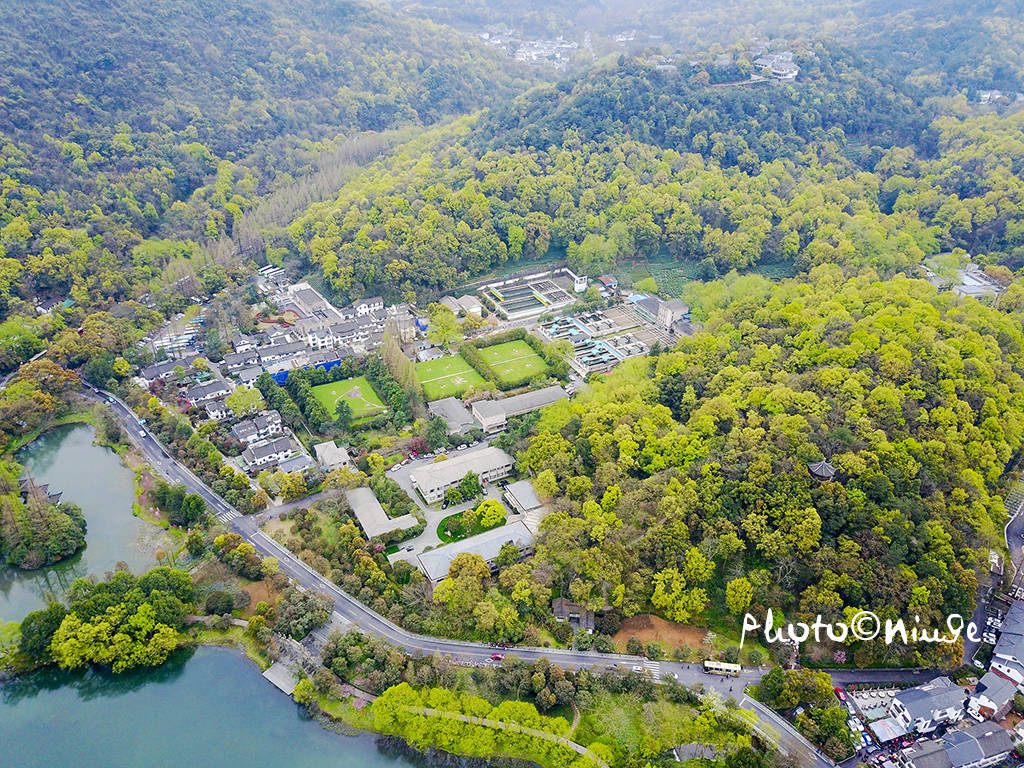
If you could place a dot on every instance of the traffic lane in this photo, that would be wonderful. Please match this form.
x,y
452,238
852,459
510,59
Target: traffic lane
x,y
353,611
347,606
843,677
156,455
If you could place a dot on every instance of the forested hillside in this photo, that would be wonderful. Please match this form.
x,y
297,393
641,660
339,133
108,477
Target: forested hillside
x,y
631,162
130,131
682,481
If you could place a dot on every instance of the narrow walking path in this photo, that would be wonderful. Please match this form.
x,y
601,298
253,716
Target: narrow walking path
x,y
502,725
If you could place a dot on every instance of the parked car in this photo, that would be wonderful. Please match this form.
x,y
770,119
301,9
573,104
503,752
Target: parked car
x,y
461,448
839,693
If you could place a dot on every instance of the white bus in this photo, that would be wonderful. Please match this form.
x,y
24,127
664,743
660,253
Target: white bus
x,y
722,668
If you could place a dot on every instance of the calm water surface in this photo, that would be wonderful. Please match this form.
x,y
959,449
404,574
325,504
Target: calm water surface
x,y
207,708
94,478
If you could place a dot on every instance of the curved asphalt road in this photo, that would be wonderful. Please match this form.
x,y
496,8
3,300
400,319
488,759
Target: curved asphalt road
x,y
350,613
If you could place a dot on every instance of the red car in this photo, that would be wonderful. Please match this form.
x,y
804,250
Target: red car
x,y
497,657
840,694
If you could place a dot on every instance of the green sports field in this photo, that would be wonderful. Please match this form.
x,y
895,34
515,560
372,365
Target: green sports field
x,y
513,362
360,395
447,377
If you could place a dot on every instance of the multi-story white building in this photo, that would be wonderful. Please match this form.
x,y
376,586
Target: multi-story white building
x,y
267,455
925,707
489,464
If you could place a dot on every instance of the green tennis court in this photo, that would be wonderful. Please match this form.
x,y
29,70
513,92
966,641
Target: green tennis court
x,y
513,362
447,377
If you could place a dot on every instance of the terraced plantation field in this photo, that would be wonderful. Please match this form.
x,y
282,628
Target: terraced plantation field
x,y
364,401
447,377
513,362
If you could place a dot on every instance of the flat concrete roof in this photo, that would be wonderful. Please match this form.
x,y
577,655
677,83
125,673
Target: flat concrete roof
x,y
371,514
282,676
521,491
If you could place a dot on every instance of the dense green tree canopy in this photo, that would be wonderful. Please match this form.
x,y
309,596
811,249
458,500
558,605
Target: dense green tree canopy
x,y
915,397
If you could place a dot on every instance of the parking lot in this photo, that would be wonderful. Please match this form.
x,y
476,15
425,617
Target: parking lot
x,y
435,513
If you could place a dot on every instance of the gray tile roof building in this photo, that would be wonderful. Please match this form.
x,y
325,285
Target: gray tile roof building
x,y
925,706
268,454
493,414
455,414
977,746
488,545
489,463
209,391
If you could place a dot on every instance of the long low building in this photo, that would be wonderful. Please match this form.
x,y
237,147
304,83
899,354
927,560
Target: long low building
x,y
489,464
494,414
488,544
371,514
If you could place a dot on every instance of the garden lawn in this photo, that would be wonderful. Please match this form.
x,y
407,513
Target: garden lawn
x,y
447,377
513,362
451,529
360,395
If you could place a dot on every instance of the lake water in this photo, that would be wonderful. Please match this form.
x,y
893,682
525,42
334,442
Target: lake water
x,y
210,707
94,478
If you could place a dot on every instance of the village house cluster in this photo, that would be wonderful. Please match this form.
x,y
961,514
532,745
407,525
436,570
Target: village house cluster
x,y
299,328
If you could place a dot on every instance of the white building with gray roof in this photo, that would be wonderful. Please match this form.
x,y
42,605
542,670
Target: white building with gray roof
x,y
493,415
1008,655
977,746
488,463
925,707
992,697
488,544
